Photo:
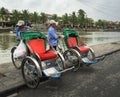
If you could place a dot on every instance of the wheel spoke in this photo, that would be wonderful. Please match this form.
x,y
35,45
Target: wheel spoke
x,y
59,63
30,73
72,59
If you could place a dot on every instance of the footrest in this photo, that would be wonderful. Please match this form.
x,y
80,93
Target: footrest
x,y
51,72
86,60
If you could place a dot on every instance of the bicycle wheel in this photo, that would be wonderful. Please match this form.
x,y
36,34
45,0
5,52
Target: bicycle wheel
x,y
72,58
91,54
16,61
60,61
31,72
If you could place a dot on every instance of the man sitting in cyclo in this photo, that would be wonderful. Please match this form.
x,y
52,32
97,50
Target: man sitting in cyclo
x,y
21,48
21,27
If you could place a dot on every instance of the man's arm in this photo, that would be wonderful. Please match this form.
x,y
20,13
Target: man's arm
x,y
30,28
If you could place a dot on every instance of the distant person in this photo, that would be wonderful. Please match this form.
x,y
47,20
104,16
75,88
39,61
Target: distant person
x,y
52,35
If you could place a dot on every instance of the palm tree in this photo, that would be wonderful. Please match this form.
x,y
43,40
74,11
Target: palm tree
x,y
54,17
3,14
99,24
65,19
43,17
89,22
81,17
15,16
73,18
34,17
25,15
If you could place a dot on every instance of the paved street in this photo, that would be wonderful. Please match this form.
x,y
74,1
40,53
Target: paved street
x,y
99,80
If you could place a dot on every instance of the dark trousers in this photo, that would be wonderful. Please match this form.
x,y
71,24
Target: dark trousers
x,y
55,47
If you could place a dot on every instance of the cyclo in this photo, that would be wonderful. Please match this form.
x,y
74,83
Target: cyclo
x,y
77,53
40,59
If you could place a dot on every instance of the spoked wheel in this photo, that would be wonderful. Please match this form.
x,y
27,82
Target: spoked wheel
x,y
72,58
31,72
16,61
91,54
60,62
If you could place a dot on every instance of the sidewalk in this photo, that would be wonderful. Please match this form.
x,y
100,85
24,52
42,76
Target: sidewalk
x,y
11,78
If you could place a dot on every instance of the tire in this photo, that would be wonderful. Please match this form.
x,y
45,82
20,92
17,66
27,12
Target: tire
x,y
31,72
72,58
91,54
16,61
60,62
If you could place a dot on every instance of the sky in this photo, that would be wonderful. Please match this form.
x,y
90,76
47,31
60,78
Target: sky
x,y
95,9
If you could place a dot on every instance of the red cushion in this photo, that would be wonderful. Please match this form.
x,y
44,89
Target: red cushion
x,y
84,48
72,42
37,45
48,55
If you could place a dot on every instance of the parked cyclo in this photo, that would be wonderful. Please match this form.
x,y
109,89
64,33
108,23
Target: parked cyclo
x,y
37,58
78,53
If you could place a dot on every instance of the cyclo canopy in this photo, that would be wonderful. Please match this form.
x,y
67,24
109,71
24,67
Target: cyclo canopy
x,y
29,35
69,33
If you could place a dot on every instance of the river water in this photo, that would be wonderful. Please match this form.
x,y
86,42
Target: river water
x,y
8,40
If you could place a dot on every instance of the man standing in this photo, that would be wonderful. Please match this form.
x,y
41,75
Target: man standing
x,y
52,35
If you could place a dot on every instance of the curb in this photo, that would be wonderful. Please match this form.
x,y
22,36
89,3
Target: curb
x,y
109,53
10,88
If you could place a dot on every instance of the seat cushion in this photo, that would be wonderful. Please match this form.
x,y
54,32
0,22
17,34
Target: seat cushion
x,y
72,42
37,45
48,55
83,48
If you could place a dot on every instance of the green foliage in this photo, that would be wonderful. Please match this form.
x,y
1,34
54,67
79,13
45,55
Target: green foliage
x,y
34,17
43,17
81,17
25,16
54,17
65,19
16,15
76,19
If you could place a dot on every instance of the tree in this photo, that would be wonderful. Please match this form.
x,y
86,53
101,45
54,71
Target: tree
x,y
73,18
99,23
15,16
81,17
4,15
34,17
25,15
43,17
54,17
65,19
89,22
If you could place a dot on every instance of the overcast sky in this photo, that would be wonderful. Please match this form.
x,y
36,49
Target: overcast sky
x,y
96,9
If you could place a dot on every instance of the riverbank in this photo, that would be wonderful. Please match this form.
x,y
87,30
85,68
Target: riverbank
x,y
6,29
44,29
11,78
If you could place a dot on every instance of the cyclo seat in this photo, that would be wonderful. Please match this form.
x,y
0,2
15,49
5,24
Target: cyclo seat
x,y
38,46
36,43
72,42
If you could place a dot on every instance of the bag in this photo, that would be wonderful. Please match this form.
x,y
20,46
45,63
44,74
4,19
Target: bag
x,y
20,50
